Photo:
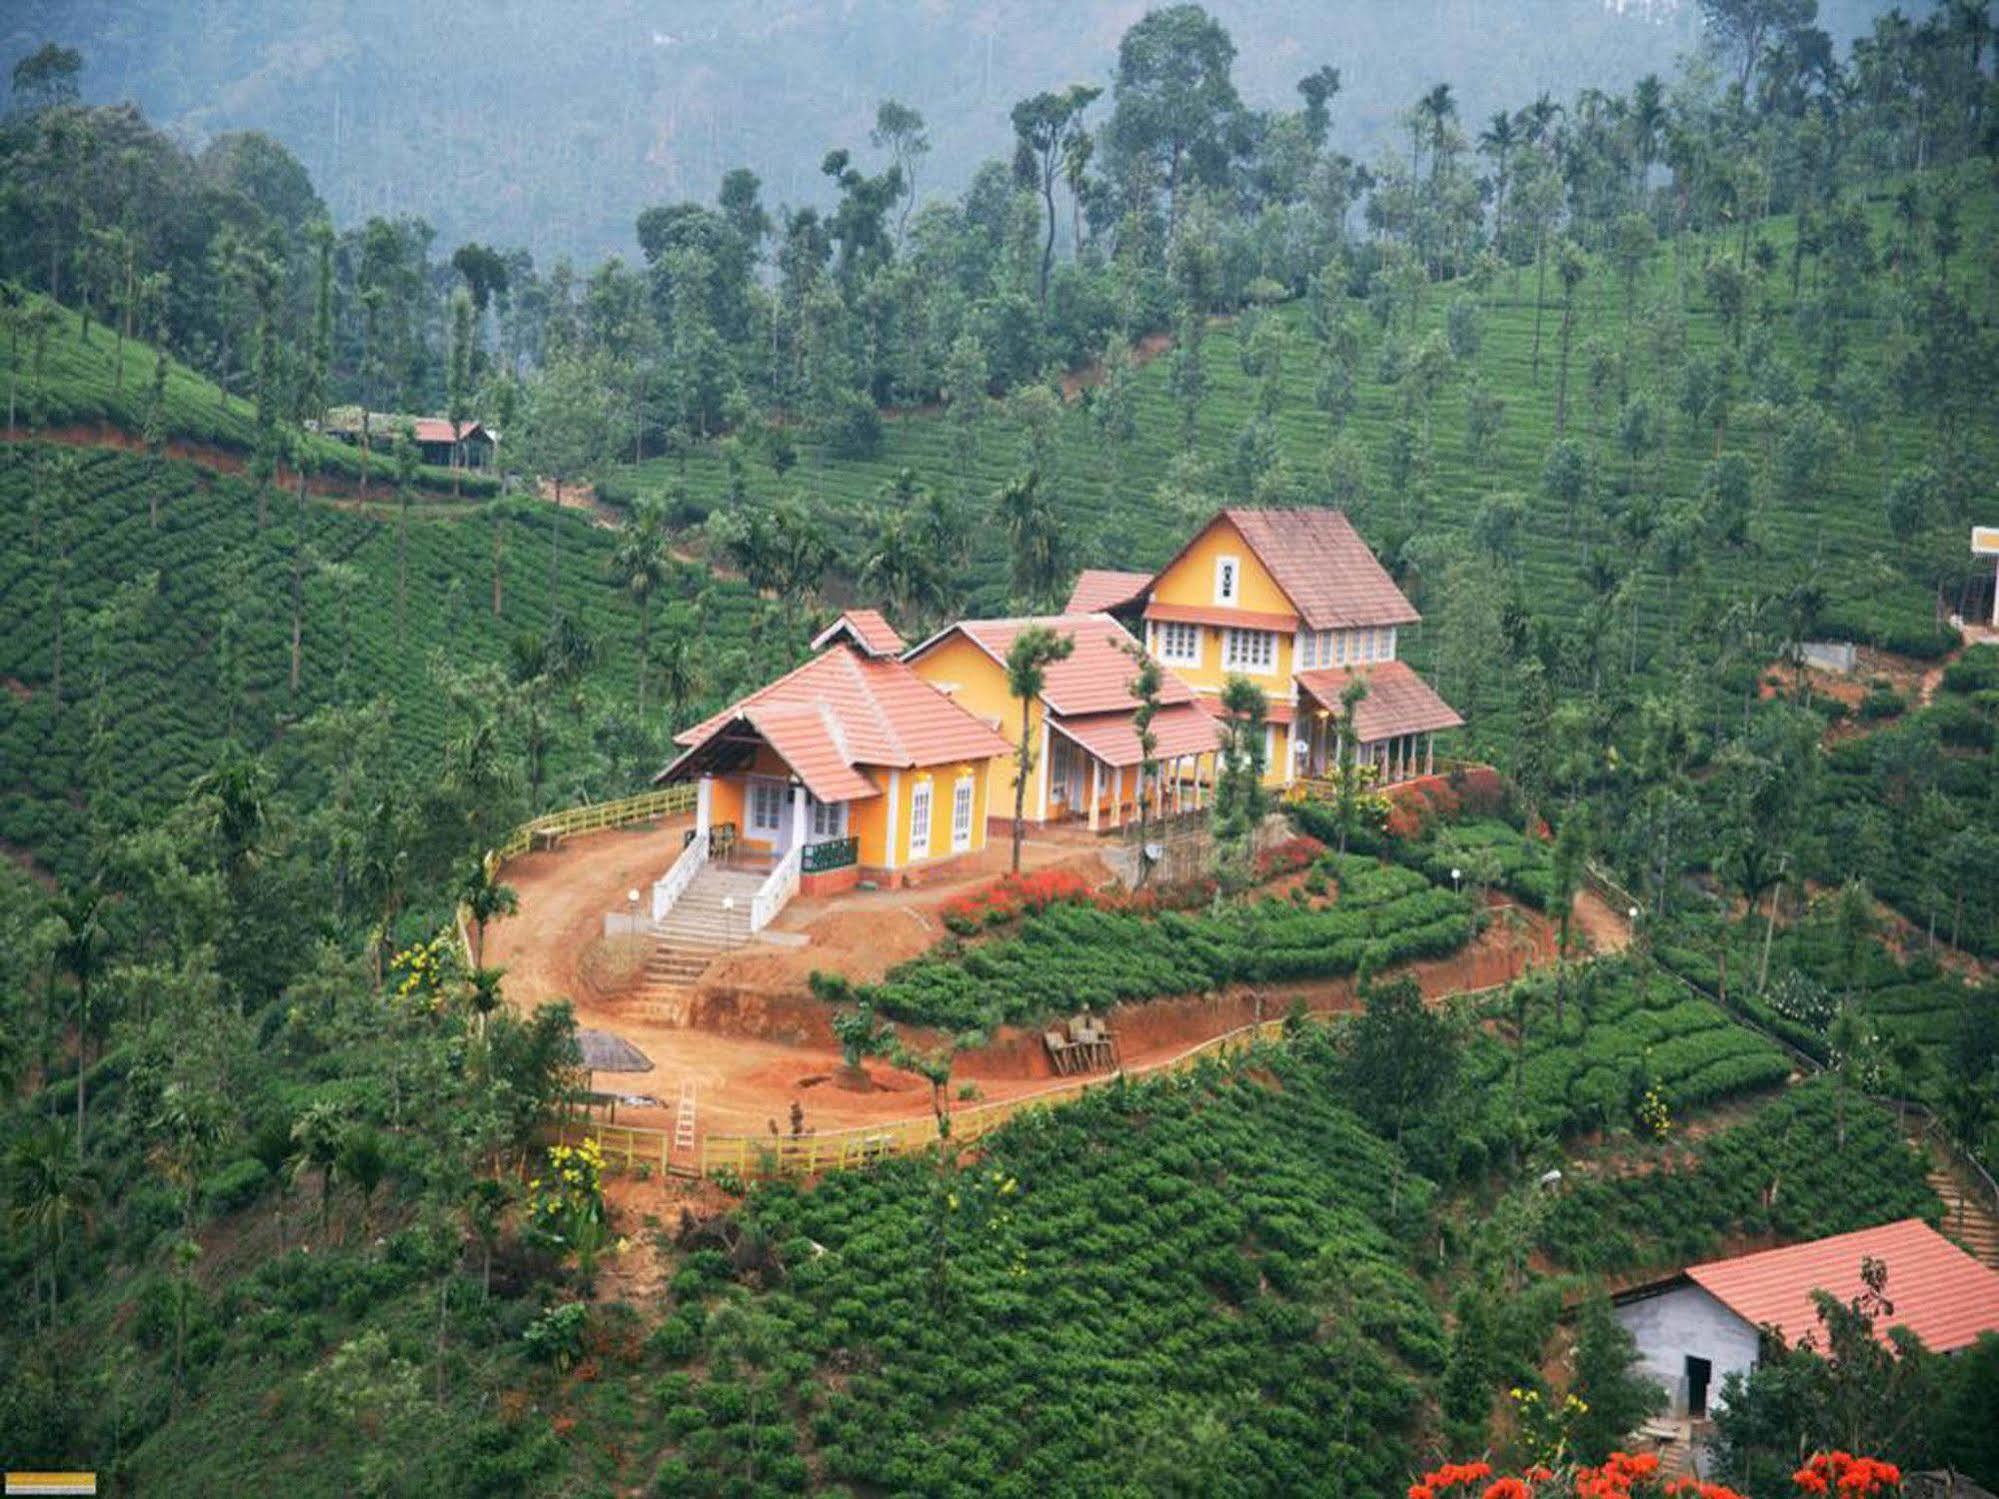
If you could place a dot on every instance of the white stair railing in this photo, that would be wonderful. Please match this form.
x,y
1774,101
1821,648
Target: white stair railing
x,y
669,887
777,889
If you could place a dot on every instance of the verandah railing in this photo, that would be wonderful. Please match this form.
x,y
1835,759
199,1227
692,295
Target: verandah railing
x,y
667,801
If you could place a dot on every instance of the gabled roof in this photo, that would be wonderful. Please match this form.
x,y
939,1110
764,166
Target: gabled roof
x,y
438,429
843,710
1319,560
1940,1293
1397,702
1094,678
1100,590
1182,729
867,628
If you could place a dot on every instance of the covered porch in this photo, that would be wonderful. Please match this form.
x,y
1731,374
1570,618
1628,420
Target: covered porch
x,y
1096,767
1395,725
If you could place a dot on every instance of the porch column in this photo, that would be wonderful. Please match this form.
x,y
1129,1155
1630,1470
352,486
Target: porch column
x,y
799,826
1429,754
1117,796
1041,796
704,800
1096,789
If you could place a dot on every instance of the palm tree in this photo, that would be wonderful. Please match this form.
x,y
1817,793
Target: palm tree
x,y
484,898
80,931
1437,109
364,1163
1498,140
50,1188
680,676
484,993
316,1138
642,563
1034,649
1033,536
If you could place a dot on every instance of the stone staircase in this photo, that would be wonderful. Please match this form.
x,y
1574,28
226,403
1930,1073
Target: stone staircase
x,y
1968,1220
693,934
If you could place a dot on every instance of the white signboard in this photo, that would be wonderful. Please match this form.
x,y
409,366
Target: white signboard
x,y
1985,541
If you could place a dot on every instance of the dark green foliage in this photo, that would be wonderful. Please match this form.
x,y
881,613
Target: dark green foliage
x,y
1786,1171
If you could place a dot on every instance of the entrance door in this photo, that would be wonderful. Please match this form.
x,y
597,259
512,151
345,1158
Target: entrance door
x,y
1699,1373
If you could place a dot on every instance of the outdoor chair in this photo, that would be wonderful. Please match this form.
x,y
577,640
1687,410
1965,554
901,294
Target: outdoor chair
x,y
1061,1052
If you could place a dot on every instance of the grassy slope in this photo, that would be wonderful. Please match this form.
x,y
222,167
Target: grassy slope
x,y
1842,533
166,698
80,384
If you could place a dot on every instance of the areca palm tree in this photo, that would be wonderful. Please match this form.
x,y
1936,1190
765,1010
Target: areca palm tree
x,y
1033,651
643,563
78,953
680,675
1033,534
485,898
50,1189
483,993
1499,140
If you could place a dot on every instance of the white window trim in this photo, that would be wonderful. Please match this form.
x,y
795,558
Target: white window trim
x,y
1232,659
839,811
1162,632
1229,567
965,800
776,824
919,820
1391,644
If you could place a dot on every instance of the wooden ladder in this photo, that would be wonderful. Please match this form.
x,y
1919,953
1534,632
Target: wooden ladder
x,y
683,1127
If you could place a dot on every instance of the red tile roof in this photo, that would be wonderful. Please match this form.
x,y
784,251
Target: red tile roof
x,y
1397,702
1222,615
1094,678
1940,1293
1099,590
1275,710
1182,729
867,628
1322,564
843,710
438,429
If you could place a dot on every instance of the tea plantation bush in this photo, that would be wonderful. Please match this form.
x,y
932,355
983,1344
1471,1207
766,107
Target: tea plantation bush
x,y
1070,956
1520,863
1192,1280
1622,1030
1792,1170
168,676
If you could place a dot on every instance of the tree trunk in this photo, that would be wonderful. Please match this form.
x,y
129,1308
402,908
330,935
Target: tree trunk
x,y
1020,781
498,533
1540,287
298,590
82,1050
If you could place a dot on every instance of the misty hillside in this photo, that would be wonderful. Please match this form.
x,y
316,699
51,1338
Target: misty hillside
x,y
541,128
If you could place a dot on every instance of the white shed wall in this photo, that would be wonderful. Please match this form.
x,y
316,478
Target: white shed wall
x,y
1688,1321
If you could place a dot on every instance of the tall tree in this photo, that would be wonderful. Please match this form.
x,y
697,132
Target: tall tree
x,y
1033,651
642,562
1044,129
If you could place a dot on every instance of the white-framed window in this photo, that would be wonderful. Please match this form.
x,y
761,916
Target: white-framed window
x,y
1179,643
1228,580
829,820
919,820
1343,645
961,814
1388,650
766,806
1251,651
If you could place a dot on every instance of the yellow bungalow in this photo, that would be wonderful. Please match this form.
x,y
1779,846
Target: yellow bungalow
x,y
1296,602
849,767
1088,764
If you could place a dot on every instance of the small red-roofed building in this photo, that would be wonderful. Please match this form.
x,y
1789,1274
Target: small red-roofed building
x,y
1101,590
1713,1319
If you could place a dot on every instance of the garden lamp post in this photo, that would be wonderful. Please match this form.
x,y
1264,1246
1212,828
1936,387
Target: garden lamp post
x,y
632,899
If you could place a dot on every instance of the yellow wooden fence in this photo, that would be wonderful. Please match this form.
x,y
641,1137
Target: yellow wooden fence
x,y
751,1156
644,807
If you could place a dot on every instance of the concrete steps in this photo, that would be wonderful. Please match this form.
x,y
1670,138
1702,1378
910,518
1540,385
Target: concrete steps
x,y
711,917
1966,1220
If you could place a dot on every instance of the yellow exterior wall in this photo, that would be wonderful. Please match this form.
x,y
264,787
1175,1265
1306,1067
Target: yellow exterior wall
x,y
977,683
1191,581
943,783
869,819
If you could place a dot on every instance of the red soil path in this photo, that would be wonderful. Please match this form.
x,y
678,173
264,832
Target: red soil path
x,y
758,1041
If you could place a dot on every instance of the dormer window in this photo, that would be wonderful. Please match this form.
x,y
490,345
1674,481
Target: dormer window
x,y
1228,580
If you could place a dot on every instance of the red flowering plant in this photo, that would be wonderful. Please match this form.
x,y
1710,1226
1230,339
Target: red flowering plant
x,y
1636,1475
1012,896
1292,856
1844,1476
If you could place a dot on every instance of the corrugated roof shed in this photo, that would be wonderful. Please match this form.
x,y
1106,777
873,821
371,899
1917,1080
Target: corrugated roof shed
x,y
1940,1293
